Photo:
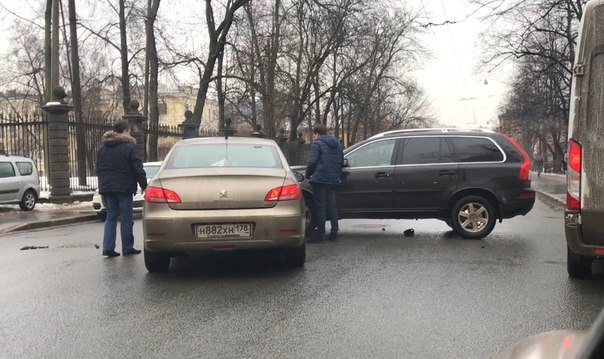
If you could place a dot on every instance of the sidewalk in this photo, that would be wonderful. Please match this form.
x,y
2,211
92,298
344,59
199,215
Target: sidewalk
x,y
44,215
551,189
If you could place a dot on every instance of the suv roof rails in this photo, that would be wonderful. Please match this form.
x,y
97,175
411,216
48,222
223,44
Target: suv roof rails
x,y
443,129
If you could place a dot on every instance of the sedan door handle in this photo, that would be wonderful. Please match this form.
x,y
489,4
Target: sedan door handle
x,y
447,173
382,175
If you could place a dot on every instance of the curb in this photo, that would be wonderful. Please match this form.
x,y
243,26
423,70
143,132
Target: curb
x,y
551,200
51,223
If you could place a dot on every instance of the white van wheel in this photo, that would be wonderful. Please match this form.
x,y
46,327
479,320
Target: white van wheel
x,y
28,201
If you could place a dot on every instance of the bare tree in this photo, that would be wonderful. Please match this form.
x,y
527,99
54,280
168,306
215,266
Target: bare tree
x,y
217,41
540,36
153,64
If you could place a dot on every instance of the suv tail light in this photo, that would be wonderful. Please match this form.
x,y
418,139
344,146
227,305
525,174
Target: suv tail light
x,y
284,193
160,195
525,167
573,175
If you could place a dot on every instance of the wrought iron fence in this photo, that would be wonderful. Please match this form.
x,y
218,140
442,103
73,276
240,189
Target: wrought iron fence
x,y
28,136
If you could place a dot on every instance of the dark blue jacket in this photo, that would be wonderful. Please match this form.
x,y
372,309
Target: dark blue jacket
x,y
325,160
118,165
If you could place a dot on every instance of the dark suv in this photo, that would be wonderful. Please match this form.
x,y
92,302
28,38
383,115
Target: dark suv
x,y
467,178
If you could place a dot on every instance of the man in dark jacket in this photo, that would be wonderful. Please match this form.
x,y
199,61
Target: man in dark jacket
x,y
324,170
119,168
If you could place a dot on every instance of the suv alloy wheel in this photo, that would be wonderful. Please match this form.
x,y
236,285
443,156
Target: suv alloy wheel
x,y
472,217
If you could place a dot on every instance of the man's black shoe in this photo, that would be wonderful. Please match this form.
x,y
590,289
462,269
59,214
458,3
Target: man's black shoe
x,y
111,254
132,252
332,237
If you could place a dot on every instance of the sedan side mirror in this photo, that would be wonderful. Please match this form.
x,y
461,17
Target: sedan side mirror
x,y
345,164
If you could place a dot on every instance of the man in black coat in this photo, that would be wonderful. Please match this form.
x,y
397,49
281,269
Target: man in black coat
x,y
119,168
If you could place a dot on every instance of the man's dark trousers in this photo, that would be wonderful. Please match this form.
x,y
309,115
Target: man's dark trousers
x,y
325,205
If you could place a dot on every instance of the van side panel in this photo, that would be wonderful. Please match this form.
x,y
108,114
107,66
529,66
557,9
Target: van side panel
x,y
592,138
587,127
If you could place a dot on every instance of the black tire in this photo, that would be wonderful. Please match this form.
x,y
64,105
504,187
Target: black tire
x,y
578,266
102,216
472,217
309,217
297,258
156,262
28,201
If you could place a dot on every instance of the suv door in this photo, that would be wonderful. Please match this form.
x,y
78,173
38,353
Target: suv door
x,y
9,182
425,175
367,180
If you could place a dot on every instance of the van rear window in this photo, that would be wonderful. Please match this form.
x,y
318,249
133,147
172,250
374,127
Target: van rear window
x,y
25,168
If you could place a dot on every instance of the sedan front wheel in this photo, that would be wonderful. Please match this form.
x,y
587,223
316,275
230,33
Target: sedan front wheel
x,y
473,217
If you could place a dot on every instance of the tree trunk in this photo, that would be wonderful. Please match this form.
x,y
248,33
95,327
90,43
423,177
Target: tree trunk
x,y
124,58
47,51
153,63
220,91
76,90
217,39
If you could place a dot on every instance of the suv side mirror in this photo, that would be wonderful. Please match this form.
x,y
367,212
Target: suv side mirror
x,y
299,176
345,164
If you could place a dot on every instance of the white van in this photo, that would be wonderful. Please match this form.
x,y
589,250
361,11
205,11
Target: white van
x,y
584,215
19,182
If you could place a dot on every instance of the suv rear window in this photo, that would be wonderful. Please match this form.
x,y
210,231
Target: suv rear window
x,y
25,168
476,149
424,150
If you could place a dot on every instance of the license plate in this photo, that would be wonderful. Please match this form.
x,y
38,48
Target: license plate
x,y
235,230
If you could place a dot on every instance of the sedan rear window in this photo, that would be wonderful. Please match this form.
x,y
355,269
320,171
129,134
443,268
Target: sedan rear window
x,y
224,155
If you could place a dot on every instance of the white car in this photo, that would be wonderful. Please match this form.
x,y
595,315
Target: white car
x,y
137,204
19,182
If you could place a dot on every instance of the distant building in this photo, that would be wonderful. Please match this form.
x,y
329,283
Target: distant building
x,y
173,104
15,106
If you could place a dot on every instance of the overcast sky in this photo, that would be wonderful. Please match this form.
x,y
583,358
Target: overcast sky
x,y
459,95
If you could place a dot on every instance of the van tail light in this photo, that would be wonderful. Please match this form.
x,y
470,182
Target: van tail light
x,y
160,195
284,193
573,175
525,167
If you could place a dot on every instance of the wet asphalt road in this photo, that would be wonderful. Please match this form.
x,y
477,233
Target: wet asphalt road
x,y
374,294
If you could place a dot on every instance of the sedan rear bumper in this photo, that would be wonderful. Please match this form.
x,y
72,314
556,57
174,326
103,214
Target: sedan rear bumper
x,y
175,231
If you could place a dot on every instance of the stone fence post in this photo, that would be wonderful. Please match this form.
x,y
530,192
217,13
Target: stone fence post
x,y
258,131
228,130
189,128
136,121
58,146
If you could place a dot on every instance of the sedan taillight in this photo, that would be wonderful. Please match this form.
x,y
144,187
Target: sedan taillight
x,y
160,195
573,175
285,193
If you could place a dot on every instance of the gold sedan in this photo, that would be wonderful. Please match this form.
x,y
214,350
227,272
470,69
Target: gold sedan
x,y
223,194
